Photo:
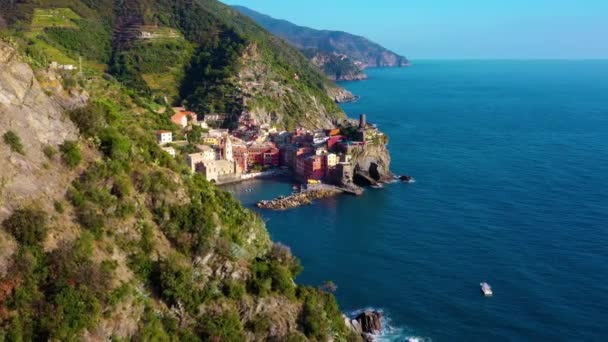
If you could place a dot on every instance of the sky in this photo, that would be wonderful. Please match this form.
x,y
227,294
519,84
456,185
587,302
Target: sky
x,y
462,29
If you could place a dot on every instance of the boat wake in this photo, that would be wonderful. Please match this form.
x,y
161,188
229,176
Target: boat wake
x,y
391,332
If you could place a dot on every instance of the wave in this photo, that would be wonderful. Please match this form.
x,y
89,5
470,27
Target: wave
x,y
390,331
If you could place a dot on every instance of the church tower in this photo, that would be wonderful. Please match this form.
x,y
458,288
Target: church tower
x,y
228,150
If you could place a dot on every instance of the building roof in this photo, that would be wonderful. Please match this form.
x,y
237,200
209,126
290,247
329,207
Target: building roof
x,y
163,131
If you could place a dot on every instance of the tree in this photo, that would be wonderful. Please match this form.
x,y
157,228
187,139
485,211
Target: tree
x,y
194,135
27,225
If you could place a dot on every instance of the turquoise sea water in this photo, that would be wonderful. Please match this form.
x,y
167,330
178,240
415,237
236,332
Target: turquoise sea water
x,y
511,163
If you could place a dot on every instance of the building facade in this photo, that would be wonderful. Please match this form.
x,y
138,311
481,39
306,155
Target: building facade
x,y
164,137
194,160
220,171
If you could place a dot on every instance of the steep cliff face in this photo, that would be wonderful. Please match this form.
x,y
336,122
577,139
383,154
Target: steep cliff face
x,y
373,161
39,122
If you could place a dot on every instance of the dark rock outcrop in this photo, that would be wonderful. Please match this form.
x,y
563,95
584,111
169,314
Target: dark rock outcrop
x,y
367,324
370,322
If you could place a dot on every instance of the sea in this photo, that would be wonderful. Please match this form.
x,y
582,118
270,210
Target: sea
x,y
510,160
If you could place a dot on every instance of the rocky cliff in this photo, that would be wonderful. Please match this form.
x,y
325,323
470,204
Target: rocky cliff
x,y
39,122
373,161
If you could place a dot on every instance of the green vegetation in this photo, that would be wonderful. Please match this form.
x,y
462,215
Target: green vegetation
x,y
49,151
223,327
53,17
27,225
60,293
88,39
70,153
181,258
14,142
154,67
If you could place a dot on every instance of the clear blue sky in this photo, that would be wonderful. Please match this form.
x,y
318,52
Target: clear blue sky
x,y
520,29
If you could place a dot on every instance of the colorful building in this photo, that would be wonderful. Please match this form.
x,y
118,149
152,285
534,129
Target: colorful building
x,y
263,154
182,116
211,140
240,155
311,167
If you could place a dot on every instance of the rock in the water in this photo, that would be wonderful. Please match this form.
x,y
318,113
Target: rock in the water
x,y
370,322
406,179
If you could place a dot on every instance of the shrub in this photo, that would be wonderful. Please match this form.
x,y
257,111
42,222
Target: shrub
x,y
234,290
260,324
70,153
14,142
49,151
225,327
59,207
27,225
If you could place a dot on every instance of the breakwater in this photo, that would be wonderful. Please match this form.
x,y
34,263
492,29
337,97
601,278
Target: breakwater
x,y
301,198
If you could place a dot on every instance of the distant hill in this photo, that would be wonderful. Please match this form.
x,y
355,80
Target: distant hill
x,y
341,55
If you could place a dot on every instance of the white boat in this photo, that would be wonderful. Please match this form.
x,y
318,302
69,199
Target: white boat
x,y
486,289
377,186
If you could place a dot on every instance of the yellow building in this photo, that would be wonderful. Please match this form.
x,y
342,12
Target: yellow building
x,y
212,141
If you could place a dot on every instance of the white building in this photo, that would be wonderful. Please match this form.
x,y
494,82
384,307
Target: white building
x,y
169,150
164,137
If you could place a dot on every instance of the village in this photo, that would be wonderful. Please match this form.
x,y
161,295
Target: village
x,y
252,150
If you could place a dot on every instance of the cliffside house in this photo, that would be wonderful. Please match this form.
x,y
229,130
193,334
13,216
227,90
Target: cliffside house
x,y
181,119
164,137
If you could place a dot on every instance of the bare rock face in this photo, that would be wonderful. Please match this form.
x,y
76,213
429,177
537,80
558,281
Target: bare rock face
x,y
367,324
370,322
38,121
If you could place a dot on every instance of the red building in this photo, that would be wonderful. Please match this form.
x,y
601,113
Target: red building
x,y
311,167
240,155
266,154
